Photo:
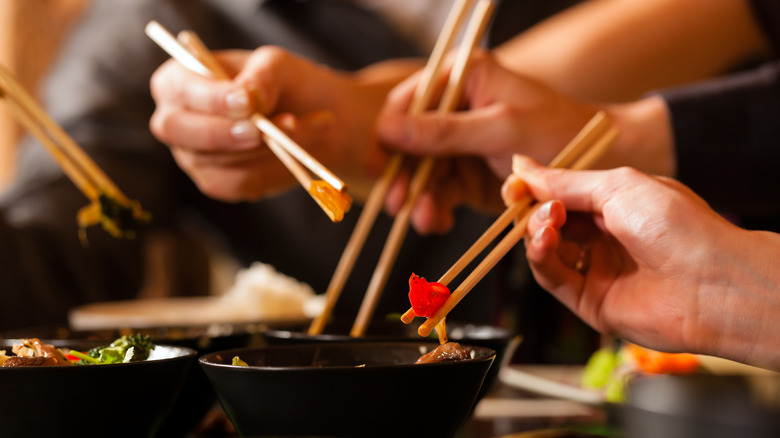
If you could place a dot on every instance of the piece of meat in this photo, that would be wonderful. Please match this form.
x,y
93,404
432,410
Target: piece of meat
x,y
21,361
445,353
33,348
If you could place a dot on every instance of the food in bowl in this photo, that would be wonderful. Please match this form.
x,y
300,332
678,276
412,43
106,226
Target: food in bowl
x,y
33,352
501,340
121,400
196,397
445,353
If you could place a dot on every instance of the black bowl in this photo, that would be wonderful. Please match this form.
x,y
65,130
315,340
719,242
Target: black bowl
x,y
346,389
494,338
119,400
197,396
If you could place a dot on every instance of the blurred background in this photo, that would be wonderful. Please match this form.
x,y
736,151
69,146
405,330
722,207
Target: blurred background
x,y
28,26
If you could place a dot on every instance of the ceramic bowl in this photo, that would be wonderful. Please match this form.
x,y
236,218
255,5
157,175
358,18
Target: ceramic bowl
x,y
118,400
197,396
502,341
346,389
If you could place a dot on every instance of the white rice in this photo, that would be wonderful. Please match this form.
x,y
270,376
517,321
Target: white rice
x,y
261,292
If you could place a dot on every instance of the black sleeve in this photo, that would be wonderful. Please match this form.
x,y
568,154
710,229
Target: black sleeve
x,y
727,140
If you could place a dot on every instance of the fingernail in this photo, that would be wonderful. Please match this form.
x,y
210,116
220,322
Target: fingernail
x,y
245,134
237,102
539,236
512,189
544,211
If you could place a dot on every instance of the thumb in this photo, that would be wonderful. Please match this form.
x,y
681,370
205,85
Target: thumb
x,y
579,190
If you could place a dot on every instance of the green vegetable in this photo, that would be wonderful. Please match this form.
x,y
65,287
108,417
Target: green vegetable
x,y
84,358
238,362
133,348
615,391
598,370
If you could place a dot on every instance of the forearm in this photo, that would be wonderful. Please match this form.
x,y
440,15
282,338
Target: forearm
x,y
368,90
645,140
616,50
739,308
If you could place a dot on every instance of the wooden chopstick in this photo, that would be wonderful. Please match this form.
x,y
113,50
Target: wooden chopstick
x,y
79,167
108,205
197,58
472,35
420,102
585,149
192,42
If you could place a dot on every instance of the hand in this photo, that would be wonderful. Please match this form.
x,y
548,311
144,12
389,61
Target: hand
x,y
205,122
503,114
645,259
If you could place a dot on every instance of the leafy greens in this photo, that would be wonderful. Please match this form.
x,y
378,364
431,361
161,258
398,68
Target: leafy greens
x,y
132,348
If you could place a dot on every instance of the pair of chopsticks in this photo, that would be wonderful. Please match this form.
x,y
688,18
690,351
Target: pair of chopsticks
x,y
192,53
581,153
420,102
77,165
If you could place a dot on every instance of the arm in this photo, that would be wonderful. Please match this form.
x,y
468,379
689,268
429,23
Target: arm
x,y
702,134
615,50
645,259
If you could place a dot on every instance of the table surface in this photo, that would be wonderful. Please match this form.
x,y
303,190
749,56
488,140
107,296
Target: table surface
x,y
510,412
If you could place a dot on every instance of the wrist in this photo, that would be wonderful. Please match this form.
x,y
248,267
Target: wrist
x,y
739,305
645,140
357,106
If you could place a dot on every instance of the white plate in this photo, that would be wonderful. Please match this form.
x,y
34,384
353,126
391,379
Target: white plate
x,y
176,311
558,381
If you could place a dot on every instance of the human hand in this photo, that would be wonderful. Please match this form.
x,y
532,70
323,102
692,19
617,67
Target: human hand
x,y
503,114
206,122
640,257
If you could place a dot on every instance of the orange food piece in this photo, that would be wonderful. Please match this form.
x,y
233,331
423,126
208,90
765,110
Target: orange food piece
x,y
656,362
332,201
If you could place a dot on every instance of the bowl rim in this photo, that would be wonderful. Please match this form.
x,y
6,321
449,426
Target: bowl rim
x,y
204,359
186,353
502,334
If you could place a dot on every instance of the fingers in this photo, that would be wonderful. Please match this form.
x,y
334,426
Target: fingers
x,y
484,131
283,82
513,189
173,85
203,132
245,175
432,215
553,261
586,191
